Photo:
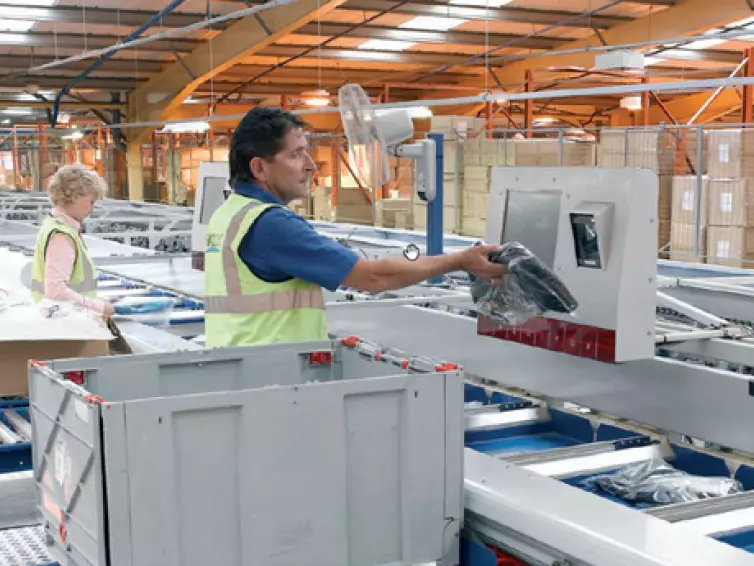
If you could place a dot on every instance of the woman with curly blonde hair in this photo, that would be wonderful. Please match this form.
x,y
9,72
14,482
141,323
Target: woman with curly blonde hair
x,y
62,269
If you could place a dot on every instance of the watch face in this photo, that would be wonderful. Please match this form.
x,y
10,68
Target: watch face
x,y
411,252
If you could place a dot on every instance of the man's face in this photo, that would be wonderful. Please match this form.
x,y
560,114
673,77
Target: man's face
x,y
288,174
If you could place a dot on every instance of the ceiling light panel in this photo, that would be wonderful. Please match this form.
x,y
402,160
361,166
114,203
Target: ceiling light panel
x,y
16,25
434,23
481,3
386,45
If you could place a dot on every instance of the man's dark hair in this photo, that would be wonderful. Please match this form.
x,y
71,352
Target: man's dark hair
x,y
260,134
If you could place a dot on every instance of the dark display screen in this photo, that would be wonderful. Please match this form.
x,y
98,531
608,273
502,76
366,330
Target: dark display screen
x,y
586,241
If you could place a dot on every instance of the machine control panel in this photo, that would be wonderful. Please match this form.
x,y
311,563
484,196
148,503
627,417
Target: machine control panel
x,y
599,234
212,190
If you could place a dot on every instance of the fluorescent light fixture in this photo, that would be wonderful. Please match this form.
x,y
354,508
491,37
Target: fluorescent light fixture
x,y
741,23
17,111
29,16
649,60
545,120
318,98
631,102
27,2
386,45
707,43
16,25
413,111
6,121
186,127
434,23
481,3
73,136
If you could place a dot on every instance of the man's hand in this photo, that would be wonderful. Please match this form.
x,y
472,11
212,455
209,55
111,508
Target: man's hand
x,y
476,260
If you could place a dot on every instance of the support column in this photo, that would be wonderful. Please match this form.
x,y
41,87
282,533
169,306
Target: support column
x,y
529,105
747,100
135,171
644,104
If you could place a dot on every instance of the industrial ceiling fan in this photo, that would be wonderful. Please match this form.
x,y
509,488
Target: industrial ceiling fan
x,y
373,136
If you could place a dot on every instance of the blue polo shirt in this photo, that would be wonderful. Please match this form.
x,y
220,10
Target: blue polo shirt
x,y
281,245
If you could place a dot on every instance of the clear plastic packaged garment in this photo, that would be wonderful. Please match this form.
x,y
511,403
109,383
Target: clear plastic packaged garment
x,y
657,482
529,288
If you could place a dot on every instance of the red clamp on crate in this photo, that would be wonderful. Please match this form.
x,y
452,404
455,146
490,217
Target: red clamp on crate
x,y
350,342
504,559
404,364
446,366
320,358
76,377
62,530
94,399
36,364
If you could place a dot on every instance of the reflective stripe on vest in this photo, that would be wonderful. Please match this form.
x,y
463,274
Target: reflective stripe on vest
x,y
236,302
266,302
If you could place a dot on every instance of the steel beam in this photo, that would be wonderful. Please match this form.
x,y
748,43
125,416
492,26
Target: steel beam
x,y
94,83
113,65
685,107
101,16
375,56
164,93
684,18
428,36
81,42
712,55
445,8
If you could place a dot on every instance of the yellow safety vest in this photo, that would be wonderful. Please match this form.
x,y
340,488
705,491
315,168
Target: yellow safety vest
x,y
240,308
82,279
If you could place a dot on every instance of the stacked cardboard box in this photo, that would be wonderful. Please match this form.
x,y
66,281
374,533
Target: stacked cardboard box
x,y
476,192
731,154
612,148
549,152
663,151
651,150
420,217
352,206
684,218
664,211
489,152
730,238
394,213
455,127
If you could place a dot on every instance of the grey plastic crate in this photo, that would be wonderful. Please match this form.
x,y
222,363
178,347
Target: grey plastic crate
x,y
248,456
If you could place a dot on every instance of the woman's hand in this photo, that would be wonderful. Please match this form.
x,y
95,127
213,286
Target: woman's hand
x,y
109,309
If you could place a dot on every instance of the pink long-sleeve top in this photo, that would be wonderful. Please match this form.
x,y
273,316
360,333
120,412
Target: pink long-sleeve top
x,y
59,260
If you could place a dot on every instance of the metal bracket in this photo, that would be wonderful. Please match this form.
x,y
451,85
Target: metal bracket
x,y
262,24
601,37
183,64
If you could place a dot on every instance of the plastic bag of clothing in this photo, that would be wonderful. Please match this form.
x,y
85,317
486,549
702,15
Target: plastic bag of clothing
x,y
529,288
657,482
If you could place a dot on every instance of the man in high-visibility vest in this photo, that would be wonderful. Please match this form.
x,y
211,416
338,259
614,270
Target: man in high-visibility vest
x,y
265,266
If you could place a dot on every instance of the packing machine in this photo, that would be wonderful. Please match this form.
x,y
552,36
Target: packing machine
x,y
638,375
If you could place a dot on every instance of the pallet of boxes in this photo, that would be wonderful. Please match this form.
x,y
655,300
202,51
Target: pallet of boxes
x,y
480,155
729,202
670,156
460,136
